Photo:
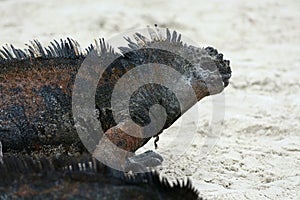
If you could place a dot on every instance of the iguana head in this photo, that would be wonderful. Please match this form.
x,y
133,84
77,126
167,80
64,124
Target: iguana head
x,y
208,72
203,68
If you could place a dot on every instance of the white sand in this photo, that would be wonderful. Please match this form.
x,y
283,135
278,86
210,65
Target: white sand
x,y
257,154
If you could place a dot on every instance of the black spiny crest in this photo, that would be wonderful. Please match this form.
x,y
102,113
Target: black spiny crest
x,y
68,48
86,170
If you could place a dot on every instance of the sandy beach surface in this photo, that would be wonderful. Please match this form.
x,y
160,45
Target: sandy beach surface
x,y
255,154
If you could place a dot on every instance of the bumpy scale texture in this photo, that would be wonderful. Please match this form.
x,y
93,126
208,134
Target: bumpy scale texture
x,y
36,114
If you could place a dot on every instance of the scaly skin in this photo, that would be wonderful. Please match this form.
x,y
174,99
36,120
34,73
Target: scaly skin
x,y
36,90
28,178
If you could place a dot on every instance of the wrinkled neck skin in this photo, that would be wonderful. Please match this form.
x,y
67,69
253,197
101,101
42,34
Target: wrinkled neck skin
x,y
200,91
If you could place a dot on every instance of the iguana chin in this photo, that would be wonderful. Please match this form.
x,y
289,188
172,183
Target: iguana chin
x,y
36,89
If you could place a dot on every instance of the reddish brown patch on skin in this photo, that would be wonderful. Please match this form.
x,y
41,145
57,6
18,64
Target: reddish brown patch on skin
x,y
70,189
25,191
114,76
200,90
123,140
28,83
123,145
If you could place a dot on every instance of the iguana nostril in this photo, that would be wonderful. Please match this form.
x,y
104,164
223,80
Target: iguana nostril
x,y
211,51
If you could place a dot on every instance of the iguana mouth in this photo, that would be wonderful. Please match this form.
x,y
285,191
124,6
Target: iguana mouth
x,y
225,73
225,79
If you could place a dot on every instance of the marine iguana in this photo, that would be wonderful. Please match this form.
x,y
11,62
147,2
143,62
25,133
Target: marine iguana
x,y
36,89
85,178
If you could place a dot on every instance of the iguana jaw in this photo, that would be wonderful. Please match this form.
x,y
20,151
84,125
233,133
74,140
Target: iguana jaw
x,y
209,74
223,69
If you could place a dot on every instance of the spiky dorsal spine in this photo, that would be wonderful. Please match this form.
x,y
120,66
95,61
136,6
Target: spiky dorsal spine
x,y
14,167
